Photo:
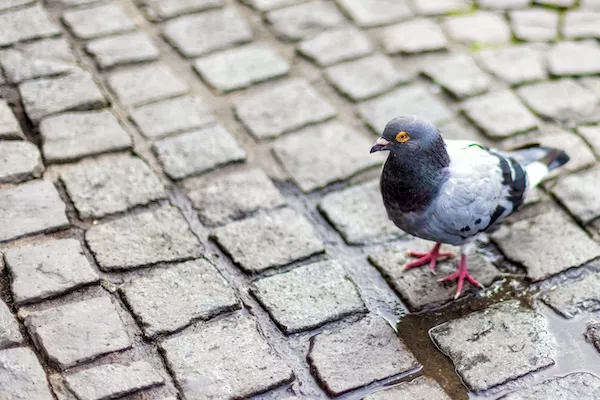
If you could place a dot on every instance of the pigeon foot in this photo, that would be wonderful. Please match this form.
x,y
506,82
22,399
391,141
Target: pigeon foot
x,y
460,276
430,258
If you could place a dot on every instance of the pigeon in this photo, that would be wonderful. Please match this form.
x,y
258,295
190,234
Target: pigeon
x,y
449,191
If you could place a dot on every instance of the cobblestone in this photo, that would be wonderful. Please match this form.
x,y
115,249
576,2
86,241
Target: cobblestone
x,y
74,333
309,296
9,332
572,144
421,388
26,24
285,107
577,386
19,161
227,358
241,67
30,208
97,21
48,269
165,9
304,20
578,192
414,36
369,13
574,58
592,135
9,126
233,196
269,240
575,297
503,4
459,75
111,185
125,49
170,299
557,3
504,342
140,239
581,24
480,27
113,380
515,65
535,25
22,376
363,353
334,46
440,7
71,136
199,151
9,4
267,5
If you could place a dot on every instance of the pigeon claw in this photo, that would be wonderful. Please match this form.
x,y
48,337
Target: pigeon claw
x,y
430,258
460,276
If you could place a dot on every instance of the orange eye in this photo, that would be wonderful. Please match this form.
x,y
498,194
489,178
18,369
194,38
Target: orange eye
x,y
402,137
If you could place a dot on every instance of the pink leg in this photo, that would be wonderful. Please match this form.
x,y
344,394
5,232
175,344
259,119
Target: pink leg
x,y
461,275
430,257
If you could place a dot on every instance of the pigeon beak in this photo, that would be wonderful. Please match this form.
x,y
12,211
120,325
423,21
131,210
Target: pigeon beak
x,y
380,144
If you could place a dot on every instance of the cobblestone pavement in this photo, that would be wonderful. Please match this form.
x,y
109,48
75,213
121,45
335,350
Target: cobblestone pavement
x,y
189,209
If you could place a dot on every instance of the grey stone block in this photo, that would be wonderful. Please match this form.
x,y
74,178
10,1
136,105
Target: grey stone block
x,y
534,244
365,78
48,269
415,36
571,144
26,24
334,46
501,343
74,333
48,96
165,9
9,126
241,67
269,240
227,358
592,83
575,297
323,154
504,4
71,136
581,24
589,5
304,20
9,4
195,35
358,355
22,376
309,296
111,185
125,49
113,380
197,152
170,299
149,237
97,21
233,196
19,161
30,208
579,193
534,25
39,59
440,7
9,330
267,5
480,27
459,75
592,135
421,388
368,13
576,386
284,107
146,84
574,58
557,3
515,64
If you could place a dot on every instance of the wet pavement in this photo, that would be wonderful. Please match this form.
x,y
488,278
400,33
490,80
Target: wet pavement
x,y
189,209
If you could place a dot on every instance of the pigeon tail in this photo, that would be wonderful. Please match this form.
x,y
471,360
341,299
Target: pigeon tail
x,y
540,160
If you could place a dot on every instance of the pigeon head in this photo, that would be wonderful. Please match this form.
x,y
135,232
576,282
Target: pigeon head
x,y
407,135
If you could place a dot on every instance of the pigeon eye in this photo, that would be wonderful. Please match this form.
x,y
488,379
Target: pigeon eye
x,y
402,137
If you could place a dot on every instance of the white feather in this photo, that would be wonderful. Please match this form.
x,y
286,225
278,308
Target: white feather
x,y
536,171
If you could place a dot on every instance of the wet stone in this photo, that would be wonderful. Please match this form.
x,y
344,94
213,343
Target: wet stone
x,y
241,67
113,380
146,84
227,358
504,4
581,24
26,24
269,240
9,126
9,330
575,297
415,36
412,100
576,386
71,136
77,332
353,214
111,185
125,49
323,154
48,96
21,376
592,135
535,25
48,269
334,46
562,99
165,9
421,388
233,196
459,75
169,299
30,208
368,13
197,152
418,286
304,20
480,27
500,114
8,4
534,244
366,77
136,240
574,58
39,59
503,342
579,193
440,7
101,20
309,296
198,34
515,65
171,116
282,108
19,161
358,355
